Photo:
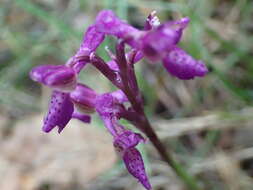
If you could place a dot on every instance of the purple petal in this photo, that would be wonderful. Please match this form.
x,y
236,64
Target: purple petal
x,y
82,117
156,43
60,112
58,77
178,25
108,23
135,166
92,39
183,66
84,98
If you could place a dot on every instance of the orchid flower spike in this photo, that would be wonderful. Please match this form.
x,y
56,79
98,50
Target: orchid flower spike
x,y
158,42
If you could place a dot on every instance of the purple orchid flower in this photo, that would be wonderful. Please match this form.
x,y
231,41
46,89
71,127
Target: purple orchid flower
x,y
155,42
109,106
62,79
125,145
72,99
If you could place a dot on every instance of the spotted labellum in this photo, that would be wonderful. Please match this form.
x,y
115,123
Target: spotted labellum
x,y
71,99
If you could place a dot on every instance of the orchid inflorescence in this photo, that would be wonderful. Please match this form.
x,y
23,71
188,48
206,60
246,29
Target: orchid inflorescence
x,y
72,99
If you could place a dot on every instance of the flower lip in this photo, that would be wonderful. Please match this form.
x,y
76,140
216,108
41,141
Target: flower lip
x,y
59,113
183,66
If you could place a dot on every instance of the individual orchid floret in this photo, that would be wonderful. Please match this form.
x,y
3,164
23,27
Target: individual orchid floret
x,y
59,113
125,145
83,98
183,66
154,43
58,77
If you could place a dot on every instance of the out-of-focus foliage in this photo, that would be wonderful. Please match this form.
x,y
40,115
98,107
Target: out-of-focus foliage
x,y
35,32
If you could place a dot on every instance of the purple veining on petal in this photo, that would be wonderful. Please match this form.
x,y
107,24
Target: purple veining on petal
x,y
59,113
84,98
55,76
183,66
135,166
82,117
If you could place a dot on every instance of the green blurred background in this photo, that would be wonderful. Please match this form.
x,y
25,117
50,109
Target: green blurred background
x,y
207,122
